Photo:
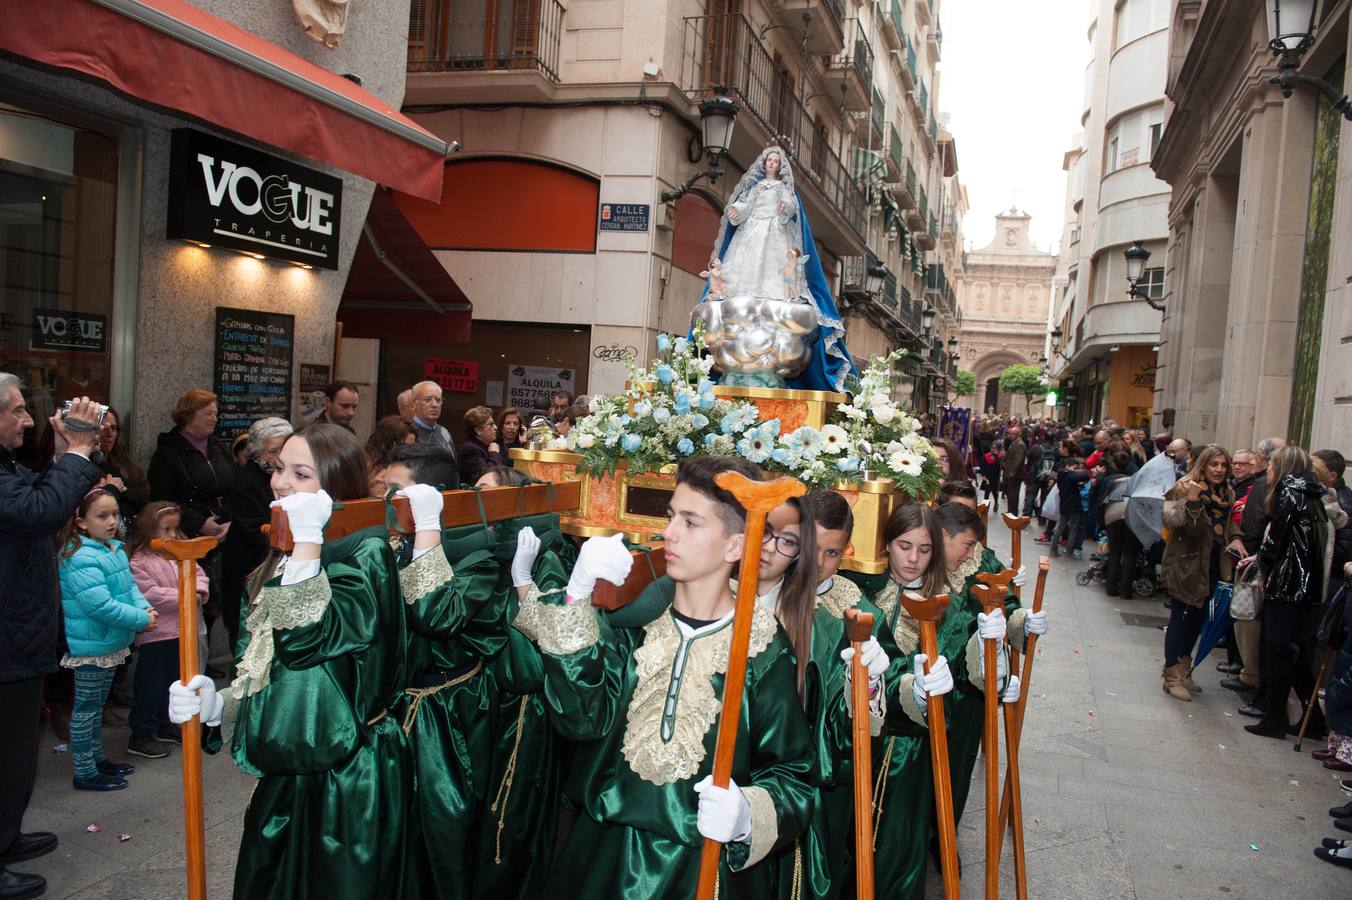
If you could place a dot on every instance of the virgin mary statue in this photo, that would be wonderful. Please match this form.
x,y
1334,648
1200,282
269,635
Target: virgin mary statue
x,y
768,314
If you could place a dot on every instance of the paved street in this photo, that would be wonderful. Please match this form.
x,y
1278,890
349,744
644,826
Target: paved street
x,y
1127,793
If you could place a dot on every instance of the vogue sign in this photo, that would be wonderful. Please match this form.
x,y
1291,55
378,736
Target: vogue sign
x,y
227,195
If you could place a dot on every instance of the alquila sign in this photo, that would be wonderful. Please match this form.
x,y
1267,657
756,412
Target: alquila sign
x,y
228,195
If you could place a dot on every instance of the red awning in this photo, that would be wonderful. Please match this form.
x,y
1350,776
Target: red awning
x,y
174,55
396,287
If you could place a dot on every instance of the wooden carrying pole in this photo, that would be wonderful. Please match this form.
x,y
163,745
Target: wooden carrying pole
x,y
1016,525
186,554
990,737
757,498
859,627
927,613
1012,801
1314,697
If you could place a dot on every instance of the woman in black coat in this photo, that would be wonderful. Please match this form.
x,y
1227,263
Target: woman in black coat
x,y
1292,563
122,476
197,473
480,452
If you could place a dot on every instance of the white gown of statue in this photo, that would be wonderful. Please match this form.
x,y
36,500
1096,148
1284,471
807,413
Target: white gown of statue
x,y
754,264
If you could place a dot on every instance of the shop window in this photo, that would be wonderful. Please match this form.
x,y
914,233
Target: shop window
x,y
508,204
58,208
696,229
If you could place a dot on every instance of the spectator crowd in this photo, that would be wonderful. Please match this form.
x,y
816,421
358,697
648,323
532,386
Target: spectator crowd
x,y
1253,547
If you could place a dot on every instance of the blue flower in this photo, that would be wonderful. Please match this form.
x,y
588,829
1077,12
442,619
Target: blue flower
x,y
847,464
665,373
739,419
642,409
771,426
806,442
783,456
705,386
612,438
685,446
706,401
625,420
663,344
631,442
661,415
756,446
700,421
709,439
682,403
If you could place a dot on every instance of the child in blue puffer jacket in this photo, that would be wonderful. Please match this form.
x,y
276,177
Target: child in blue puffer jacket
x,y
103,611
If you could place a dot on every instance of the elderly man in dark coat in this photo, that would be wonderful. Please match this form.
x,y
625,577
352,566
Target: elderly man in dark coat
x,y
33,507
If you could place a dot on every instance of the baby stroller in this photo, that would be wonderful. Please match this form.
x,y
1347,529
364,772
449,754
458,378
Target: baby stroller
x,y
1144,583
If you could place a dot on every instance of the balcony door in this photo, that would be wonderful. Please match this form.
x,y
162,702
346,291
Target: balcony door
x,y
474,34
722,37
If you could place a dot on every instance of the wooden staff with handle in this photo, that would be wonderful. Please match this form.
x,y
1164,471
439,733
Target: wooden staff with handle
x,y
1314,697
1012,801
758,498
1016,525
990,601
927,614
859,627
186,554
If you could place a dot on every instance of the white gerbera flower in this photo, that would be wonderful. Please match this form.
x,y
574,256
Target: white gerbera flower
x,y
834,439
905,463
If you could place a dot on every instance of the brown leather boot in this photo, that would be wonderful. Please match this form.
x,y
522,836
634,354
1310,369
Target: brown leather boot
x,y
1185,669
1173,683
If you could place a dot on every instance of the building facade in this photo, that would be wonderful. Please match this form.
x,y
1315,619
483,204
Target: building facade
x,y
1104,359
102,291
568,115
1257,325
1004,290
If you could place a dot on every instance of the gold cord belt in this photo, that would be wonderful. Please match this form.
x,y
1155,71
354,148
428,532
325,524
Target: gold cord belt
x,y
880,789
421,694
505,789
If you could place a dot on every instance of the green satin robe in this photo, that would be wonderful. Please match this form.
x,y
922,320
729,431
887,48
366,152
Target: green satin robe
x,y
821,862
327,818
455,626
635,836
903,794
516,831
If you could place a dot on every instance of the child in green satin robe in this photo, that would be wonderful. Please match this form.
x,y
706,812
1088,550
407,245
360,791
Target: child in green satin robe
x,y
323,664
903,792
641,690
967,557
457,625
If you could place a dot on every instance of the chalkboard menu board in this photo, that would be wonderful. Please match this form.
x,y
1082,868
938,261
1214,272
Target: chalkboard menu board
x,y
254,351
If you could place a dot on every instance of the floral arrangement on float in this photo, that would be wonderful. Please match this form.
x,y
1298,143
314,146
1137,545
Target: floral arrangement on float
x,y
670,412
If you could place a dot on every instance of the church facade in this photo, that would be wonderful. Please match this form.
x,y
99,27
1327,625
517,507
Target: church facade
x,y
1003,292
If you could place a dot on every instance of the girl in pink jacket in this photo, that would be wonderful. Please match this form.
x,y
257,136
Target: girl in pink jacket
x,y
157,648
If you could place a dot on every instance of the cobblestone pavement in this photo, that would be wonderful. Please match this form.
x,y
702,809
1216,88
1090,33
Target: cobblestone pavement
x,y
1127,793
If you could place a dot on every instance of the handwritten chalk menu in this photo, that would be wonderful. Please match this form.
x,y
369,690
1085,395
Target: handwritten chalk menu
x,y
254,352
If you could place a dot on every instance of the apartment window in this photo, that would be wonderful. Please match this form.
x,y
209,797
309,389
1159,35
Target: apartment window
x,y
1152,282
1156,132
1112,156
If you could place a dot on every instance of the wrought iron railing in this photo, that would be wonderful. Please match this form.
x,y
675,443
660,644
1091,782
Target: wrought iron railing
x,y
725,51
500,34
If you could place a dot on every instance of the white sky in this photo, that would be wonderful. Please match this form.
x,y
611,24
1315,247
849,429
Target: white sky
x,y
1012,83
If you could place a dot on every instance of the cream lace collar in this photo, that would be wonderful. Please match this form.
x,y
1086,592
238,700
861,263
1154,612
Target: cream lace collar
x,y
668,665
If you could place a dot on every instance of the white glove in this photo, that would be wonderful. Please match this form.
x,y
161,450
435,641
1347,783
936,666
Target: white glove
x,y
1020,577
523,563
197,697
1011,694
871,656
939,681
427,504
1035,622
724,813
1001,665
307,515
991,627
601,559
